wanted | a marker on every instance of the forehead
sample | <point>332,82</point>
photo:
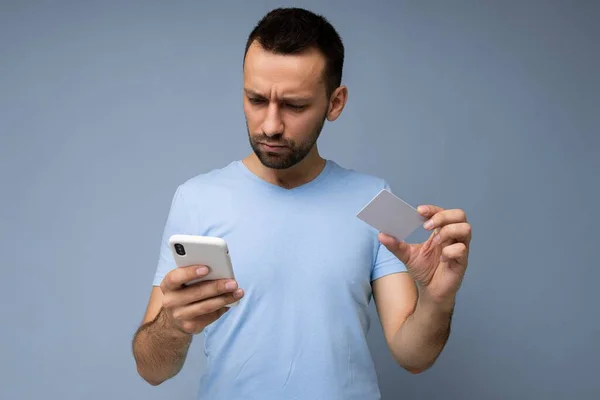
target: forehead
<point>290,73</point>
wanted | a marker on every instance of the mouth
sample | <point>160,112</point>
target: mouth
<point>272,147</point>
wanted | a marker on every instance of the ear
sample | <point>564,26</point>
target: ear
<point>337,102</point>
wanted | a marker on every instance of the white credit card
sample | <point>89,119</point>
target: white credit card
<point>391,215</point>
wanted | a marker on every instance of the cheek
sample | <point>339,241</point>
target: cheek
<point>253,118</point>
<point>301,125</point>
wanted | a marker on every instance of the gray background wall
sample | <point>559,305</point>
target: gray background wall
<point>488,106</point>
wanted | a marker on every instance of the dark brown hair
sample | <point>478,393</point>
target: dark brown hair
<point>293,30</point>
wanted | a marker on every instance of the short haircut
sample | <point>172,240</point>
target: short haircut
<point>293,30</point>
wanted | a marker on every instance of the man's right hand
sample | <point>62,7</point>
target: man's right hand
<point>191,308</point>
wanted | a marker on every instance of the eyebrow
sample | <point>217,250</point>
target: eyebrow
<point>253,93</point>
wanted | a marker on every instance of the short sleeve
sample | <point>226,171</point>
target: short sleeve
<point>385,261</point>
<point>178,222</point>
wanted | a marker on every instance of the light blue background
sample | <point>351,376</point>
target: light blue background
<point>489,106</point>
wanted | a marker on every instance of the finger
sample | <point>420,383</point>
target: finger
<point>213,316</point>
<point>207,306</point>
<point>445,217</point>
<point>179,276</point>
<point>457,252</point>
<point>428,210</point>
<point>388,240</point>
<point>400,249</point>
<point>198,292</point>
<point>196,325</point>
<point>454,233</point>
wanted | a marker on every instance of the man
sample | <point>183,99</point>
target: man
<point>305,266</point>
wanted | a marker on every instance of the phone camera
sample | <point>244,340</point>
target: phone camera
<point>179,249</point>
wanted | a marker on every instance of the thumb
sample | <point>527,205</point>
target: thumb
<point>400,249</point>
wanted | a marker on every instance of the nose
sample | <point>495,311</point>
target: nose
<point>273,124</point>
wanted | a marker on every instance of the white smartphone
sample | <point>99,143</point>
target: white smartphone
<point>203,250</point>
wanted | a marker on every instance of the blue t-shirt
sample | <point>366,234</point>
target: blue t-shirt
<point>305,262</point>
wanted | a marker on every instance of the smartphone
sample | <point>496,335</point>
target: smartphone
<point>203,250</point>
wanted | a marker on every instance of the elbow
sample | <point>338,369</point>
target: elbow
<point>415,363</point>
<point>153,383</point>
<point>415,369</point>
<point>152,380</point>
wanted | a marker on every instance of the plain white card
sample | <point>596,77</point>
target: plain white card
<point>391,215</point>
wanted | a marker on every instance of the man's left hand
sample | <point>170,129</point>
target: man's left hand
<point>438,264</point>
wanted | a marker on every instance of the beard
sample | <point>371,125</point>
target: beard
<point>293,152</point>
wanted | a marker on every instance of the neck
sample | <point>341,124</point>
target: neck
<point>303,172</point>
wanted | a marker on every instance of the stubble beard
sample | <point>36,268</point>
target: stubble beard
<point>293,154</point>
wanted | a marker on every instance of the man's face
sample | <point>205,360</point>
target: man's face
<point>285,104</point>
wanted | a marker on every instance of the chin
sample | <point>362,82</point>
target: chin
<point>280,161</point>
<point>275,162</point>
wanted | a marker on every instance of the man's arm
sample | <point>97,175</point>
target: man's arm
<point>416,330</point>
<point>176,311</point>
<point>159,348</point>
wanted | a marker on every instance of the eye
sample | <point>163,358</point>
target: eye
<point>256,101</point>
<point>296,107</point>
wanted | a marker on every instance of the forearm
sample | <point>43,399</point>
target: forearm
<point>423,335</point>
<point>160,349</point>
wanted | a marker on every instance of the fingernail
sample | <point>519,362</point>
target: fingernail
<point>238,293</point>
<point>202,271</point>
<point>421,209</point>
<point>230,285</point>
<point>428,225</point>
<point>436,239</point>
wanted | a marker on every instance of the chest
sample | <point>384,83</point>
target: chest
<point>296,248</point>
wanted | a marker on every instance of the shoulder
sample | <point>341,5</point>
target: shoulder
<point>357,181</point>
<point>203,183</point>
